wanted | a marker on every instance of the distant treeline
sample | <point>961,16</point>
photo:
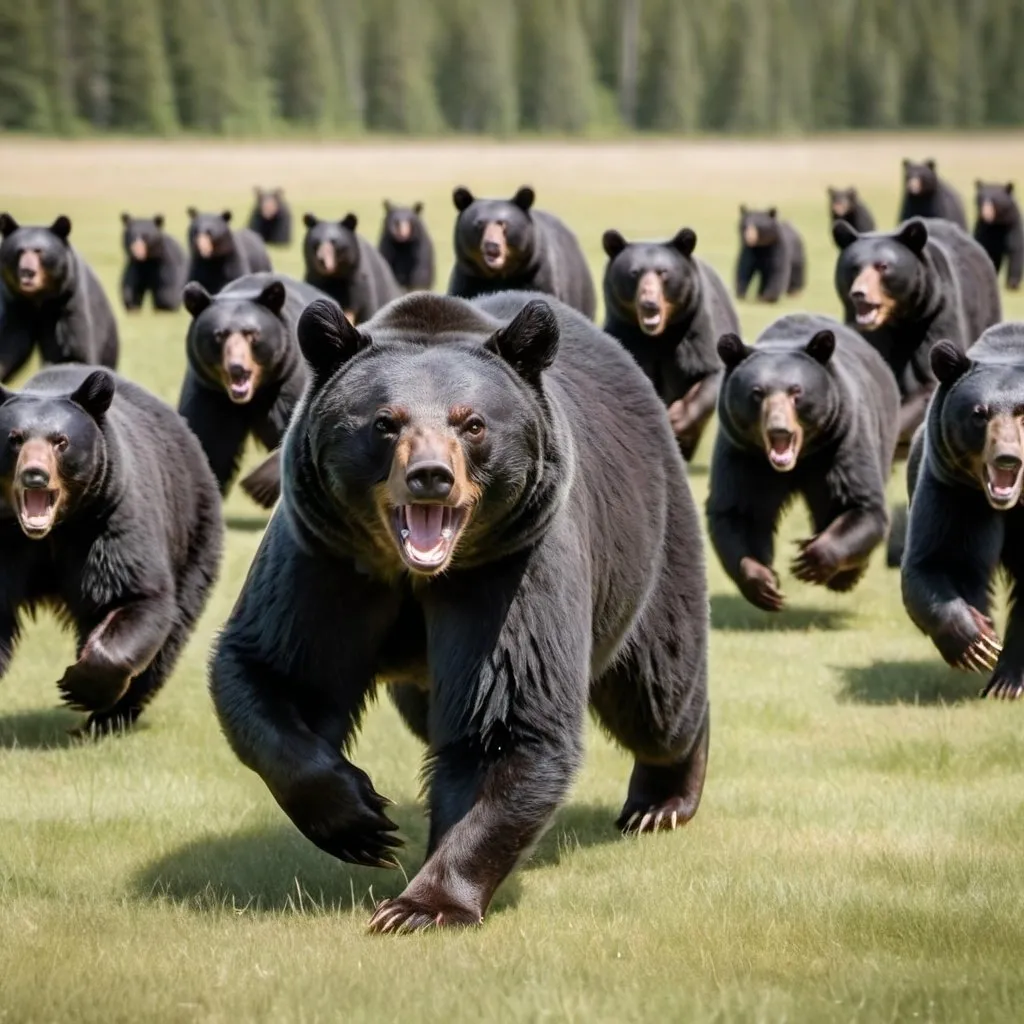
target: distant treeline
<point>259,67</point>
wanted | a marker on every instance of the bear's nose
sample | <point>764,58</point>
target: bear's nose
<point>858,295</point>
<point>35,478</point>
<point>491,248</point>
<point>238,373</point>
<point>430,480</point>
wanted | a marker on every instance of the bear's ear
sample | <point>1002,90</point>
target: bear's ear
<point>832,192</point>
<point>772,212</point>
<point>192,213</point>
<point>524,198</point>
<point>350,221</point>
<point>743,209</point>
<point>8,225</point>
<point>978,184</point>
<point>685,241</point>
<point>158,221</point>
<point>844,234</point>
<point>61,227</point>
<point>462,198</point>
<point>1009,188</point>
<point>930,164</point>
<point>851,193</point>
<point>226,216</point>
<point>196,298</point>
<point>529,343</point>
<point>126,219</point>
<point>95,394</point>
<point>387,206</point>
<point>310,220</point>
<point>732,351</point>
<point>821,346</point>
<point>914,235</point>
<point>613,243</point>
<point>949,363</point>
<point>417,207</point>
<point>327,339</point>
<point>279,192</point>
<point>906,164</point>
<point>272,297</point>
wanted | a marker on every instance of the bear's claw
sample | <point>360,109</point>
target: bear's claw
<point>663,817</point>
<point>402,914</point>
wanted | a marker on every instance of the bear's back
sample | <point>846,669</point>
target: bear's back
<point>968,273</point>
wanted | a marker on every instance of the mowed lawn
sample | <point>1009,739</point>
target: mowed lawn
<point>857,855</point>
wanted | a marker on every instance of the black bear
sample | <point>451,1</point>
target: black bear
<point>406,246</point>
<point>344,265</point>
<point>245,373</point>
<point>462,480</point>
<point>503,244</point>
<point>904,290</point>
<point>846,204</point>
<point>669,308</point>
<point>965,518</point>
<point>50,298</point>
<point>109,514</point>
<point>773,249</point>
<point>809,410</point>
<point>156,265</point>
<point>925,194</point>
<point>220,255</point>
<point>271,217</point>
<point>998,229</point>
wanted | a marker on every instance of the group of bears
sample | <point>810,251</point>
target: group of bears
<point>483,495</point>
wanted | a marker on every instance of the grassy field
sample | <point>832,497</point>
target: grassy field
<point>856,856</point>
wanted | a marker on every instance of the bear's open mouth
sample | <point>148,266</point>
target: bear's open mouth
<point>868,313</point>
<point>37,510</point>
<point>782,449</point>
<point>426,534</point>
<point>650,320</point>
<point>1003,485</point>
<point>240,386</point>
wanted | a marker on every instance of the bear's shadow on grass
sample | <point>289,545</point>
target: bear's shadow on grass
<point>246,524</point>
<point>43,729</point>
<point>275,869</point>
<point>733,612</point>
<point>907,682</point>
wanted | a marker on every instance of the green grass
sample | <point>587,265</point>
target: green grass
<point>857,853</point>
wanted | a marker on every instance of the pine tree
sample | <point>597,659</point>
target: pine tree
<point>300,62</point>
<point>141,97</point>
<point>671,91</point>
<point>24,102</point>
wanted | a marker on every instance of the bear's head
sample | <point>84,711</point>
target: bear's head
<point>651,284</point>
<point>237,341</point>
<point>495,235</point>
<point>759,228</point>
<point>880,275</point>
<point>842,202</point>
<point>143,239</point>
<point>331,247</point>
<point>402,223</point>
<point>777,399</point>
<point>53,456</point>
<point>36,262</point>
<point>920,179</point>
<point>209,234</point>
<point>995,202</point>
<point>976,427</point>
<point>424,434</point>
<point>268,201</point>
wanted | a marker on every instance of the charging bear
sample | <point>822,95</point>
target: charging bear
<point>999,231</point>
<point>773,250</point>
<point>927,195</point>
<point>220,255</point>
<point>846,204</point>
<point>406,246</point>
<point>156,265</point>
<point>271,217</point>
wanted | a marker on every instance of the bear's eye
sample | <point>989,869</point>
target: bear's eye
<point>757,393</point>
<point>61,442</point>
<point>385,424</point>
<point>882,267</point>
<point>980,413</point>
<point>663,274</point>
<point>635,272</point>
<point>15,439</point>
<point>474,427</point>
<point>220,337</point>
<point>795,391</point>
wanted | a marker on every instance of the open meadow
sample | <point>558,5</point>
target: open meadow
<point>856,857</point>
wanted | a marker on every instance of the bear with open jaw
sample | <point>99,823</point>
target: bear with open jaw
<point>809,410</point>
<point>110,515</point>
<point>965,522</point>
<point>456,475</point>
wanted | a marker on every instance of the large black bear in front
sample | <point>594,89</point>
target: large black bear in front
<point>904,290</point>
<point>669,308</point>
<point>966,519</point>
<point>271,217</point>
<point>483,505</point>
<point>344,265</point>
<point>773,250</point>
<point>51,299</point>
<point>245,373</point>
<point>406,246</point>
<point>999,231</point>
<point>156,265</point>
<point>110,515</point>
<point>220,255</point>
<point>925,194</point>
<point>503,244</point>
<point>810,410</point>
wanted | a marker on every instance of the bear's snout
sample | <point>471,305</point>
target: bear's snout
<point>494,245</point>
<point>988,211</point>
<point>401,229</point>
<point>34,477</point>
<point>31,276</point>
<point>138,248</point>
<point>429,479</point>
<point>204,245</point>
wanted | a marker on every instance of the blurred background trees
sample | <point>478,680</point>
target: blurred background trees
<point>261,67</point>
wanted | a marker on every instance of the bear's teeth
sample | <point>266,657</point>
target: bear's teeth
<point>405,534</point>
<point>447,533</point>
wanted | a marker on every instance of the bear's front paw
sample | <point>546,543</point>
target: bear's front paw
<point>90,686</point>
<point>760,586</point>
<point>816,562</point>
<point>969,642</point>
<point>1004,685</point>
<point>414,914</point>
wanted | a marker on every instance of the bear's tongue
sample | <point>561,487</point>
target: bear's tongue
<point>36,503</point>
<point>425,523</point>
<point>1002,481</point>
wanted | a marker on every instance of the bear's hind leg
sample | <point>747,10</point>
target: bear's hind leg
<point>1007,681</point>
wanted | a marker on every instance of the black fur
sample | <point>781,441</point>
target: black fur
<point>843,397</point>
<point>277,228</point>
<point>543,255</point>
<point>136,544</point>
<point>776,255</point>
<point>407,247</point>
<point>234,253</point>
<point>846,204</point>
<point>998,229</point>
<point>936,197</point>
<point>159,271</point>
<point>579,579</point>
<point>678,353</point>
<point>70,321</point>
